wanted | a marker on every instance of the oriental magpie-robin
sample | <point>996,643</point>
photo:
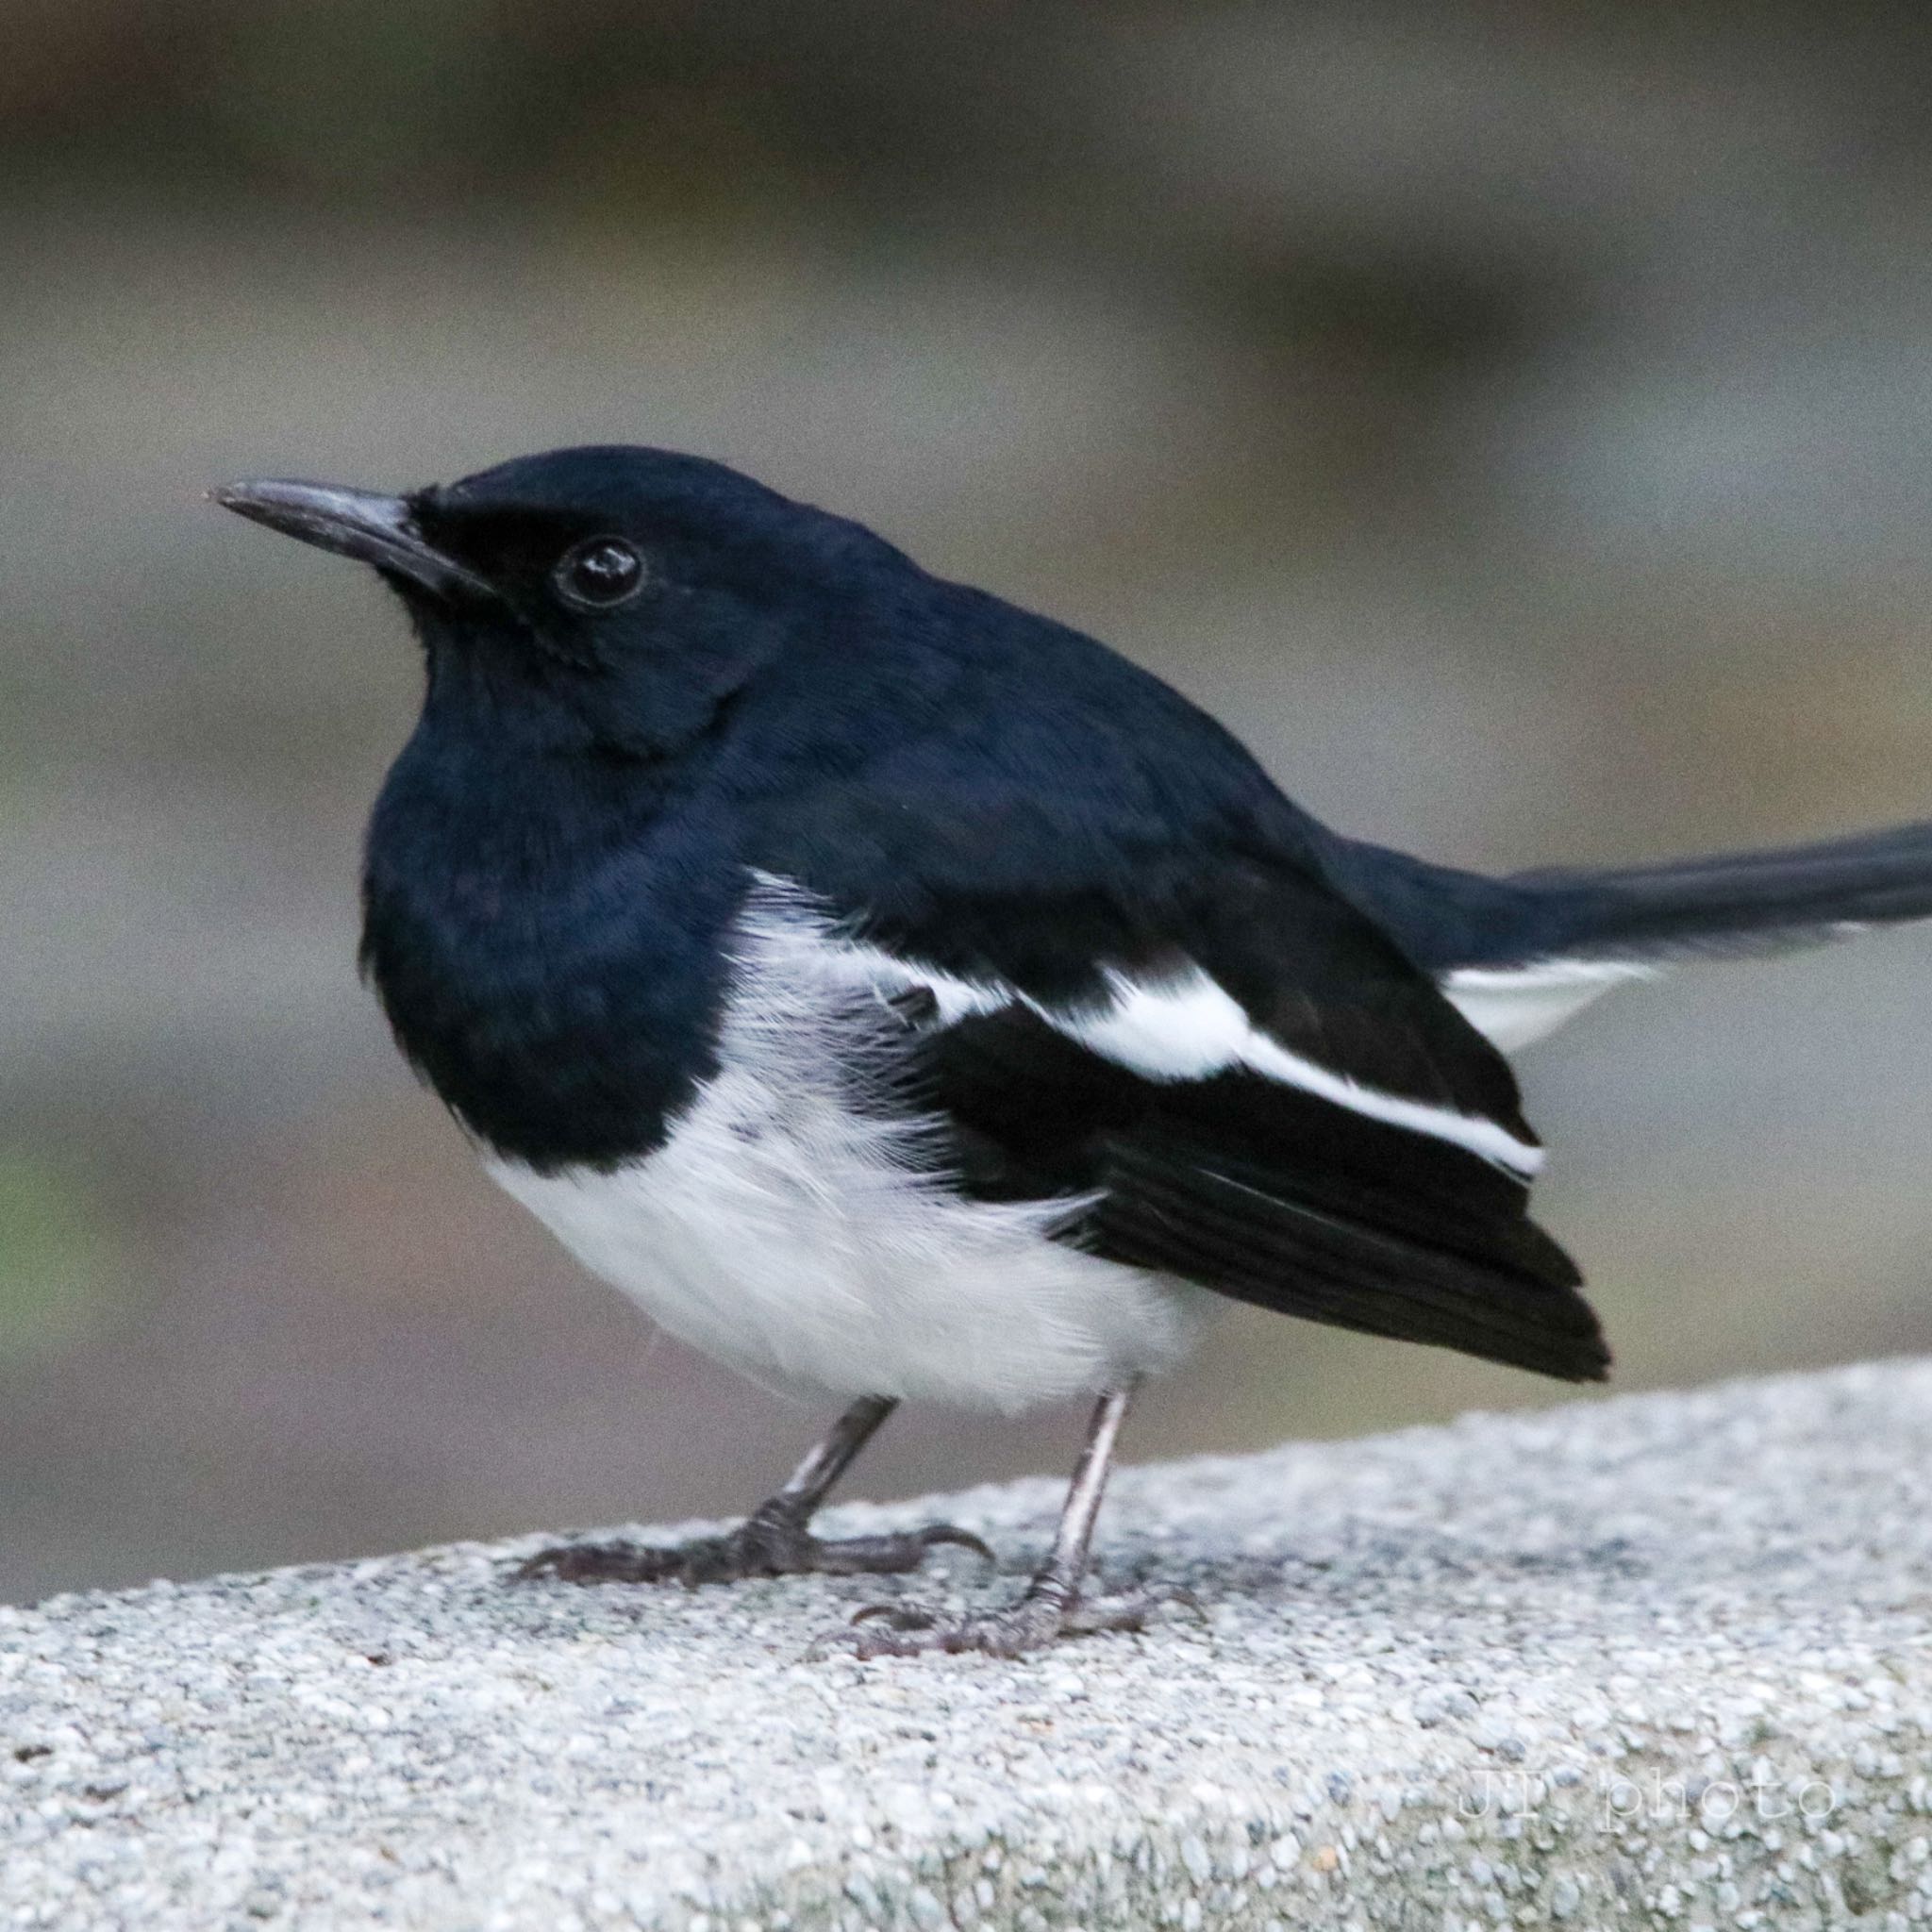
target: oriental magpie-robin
<point>900,994</point>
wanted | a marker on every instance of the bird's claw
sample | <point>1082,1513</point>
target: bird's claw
<point>1038,1618</point>
<point>935,1533</point>
<point>764,1544</point>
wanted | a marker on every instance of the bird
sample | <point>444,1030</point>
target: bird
<point>902,996</point>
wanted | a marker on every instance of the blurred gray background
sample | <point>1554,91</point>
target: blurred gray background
<point>1516,421</point>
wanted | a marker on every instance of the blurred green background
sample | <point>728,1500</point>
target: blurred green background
<point>1516,420</point>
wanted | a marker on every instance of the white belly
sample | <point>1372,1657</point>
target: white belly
<point>808,1243</point>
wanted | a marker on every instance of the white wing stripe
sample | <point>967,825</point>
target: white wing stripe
<point>1185,1028</point>
<point>1188,1027</point>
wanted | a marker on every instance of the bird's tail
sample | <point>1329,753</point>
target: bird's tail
<point>1520,954</point>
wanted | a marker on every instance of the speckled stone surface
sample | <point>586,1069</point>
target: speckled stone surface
<point>1664,1660</point>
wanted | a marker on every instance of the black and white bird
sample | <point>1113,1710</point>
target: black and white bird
<point>900,994</point>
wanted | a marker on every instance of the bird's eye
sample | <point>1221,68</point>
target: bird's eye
<point>599,574</point>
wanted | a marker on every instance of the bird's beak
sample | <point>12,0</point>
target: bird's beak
<point>353,523</point>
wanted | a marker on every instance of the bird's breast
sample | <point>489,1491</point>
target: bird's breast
<point>554,972</point>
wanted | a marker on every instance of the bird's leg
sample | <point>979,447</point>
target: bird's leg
<point>775,1540</point>
<point>1051,1606</point>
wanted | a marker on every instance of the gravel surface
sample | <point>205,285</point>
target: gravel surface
<point>1657,1661</point>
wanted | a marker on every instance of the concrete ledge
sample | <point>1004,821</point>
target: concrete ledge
<point>1662,1660</point>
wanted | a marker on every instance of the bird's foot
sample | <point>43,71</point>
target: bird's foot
<point>769,1542</point>
<point>1040,1618</point>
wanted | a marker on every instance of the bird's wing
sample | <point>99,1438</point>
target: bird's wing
<point>1258,1093</point>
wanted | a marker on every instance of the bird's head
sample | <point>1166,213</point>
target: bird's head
<point>618,595</point>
